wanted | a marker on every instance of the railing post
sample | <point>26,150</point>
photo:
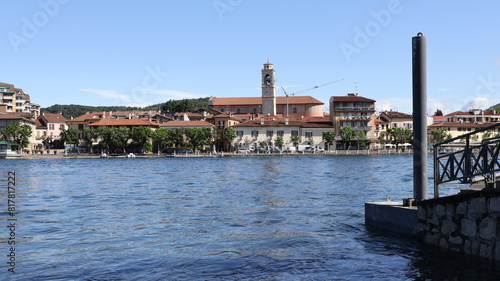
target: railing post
<point>468,172</point>
<point>436,173</point>
<point>486,170</point>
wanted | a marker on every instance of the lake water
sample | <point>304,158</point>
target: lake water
<point>233,218</point>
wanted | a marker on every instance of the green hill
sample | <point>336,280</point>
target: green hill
<point>171,106</point>
<point>495,107</point>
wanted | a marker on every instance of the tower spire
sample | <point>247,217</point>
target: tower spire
<point>268,89</point>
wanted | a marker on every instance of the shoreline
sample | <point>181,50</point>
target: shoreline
<point>210,155</point>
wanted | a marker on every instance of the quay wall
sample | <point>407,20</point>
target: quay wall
<point>61,154</point>
<point>467,223</point>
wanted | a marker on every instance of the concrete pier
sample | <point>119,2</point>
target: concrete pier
<point>391,216</point>
<point>402,217</point>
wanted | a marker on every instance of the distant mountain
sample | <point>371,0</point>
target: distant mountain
<point>171,106</point>
<point>495,107</point>
<point>75,110</point>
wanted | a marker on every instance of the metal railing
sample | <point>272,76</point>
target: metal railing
<point>366,128</point>
<point>355,117</point>
<point>465,163</point>
<point>354,108</point>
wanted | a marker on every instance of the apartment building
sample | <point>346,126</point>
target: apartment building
<point>14,99</point>
<point>355,111</point>
<point>309,131</point>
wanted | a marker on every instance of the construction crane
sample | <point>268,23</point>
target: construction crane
<point>306,90</point>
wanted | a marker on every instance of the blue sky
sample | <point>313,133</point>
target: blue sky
<point>145,52</point>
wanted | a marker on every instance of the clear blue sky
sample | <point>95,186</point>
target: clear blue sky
<point>139,53</point>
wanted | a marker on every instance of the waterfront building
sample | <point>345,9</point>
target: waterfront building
<point>14,99</point>
<point>309,130</point>
<point>437,119</point>
<point>392,119</point>
<point>35,110</point>
<point>455,129</point>
<point>459,122</point>
<point>84,121</point>
<point>355,111</point>
<point>176,124</point>
<point>189,116</point>
<point>123,123</point>
<point>476,116</point>
<point>48,129</point>
<point>21,118</point>
<point>268,103</point>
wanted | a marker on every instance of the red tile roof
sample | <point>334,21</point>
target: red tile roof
<point>458,124</point>
<point>470,113</point>
<point>396,114</point>
<point>189,114</point>
<point>38,124</point>
<point>439,118</point>
<point>15,116</point>
<point>273,121</point>
<point>350,97</point>
<point>86,116</point>
<point>180,124</point>
<point>124,122</point>
<point>53,117</point>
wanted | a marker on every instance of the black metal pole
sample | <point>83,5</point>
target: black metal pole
<point>419,67</point>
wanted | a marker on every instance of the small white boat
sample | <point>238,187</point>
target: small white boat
<point>104,155</point>
<point>131,155</point>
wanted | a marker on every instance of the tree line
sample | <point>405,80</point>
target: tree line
<point>141,138</point>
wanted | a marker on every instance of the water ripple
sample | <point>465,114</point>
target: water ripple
<point>251,218</point>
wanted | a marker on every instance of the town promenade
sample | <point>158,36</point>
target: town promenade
<point>60,154</point>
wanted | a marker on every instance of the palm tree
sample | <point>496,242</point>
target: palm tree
<point>295,140</point>
<point>279,142</point>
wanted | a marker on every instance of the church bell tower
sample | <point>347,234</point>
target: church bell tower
<point>268,90</point>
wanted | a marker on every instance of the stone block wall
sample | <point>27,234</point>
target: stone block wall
<point>467,223</point>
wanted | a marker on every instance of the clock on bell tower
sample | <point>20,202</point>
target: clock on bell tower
<point>268,90</point>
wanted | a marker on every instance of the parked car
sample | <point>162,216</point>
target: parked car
<point>275,150</point>
<point>309,150</point>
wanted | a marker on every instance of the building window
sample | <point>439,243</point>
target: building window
<point>221,124</point>
<point>309,135</point>
<point>222,110</point>
<point>269,134</point>
<point>238,111</point>
<point>239,134</point>
<point>255,134</point>
<point>80,127</point>
<point>61,127</point>
<point>51,126</point>
<point>295,133</point>
<point>294,110</point>
<point>254,110</point>
<point>280,133</point>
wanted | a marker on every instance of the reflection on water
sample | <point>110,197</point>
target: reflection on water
<point>271,218</point>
